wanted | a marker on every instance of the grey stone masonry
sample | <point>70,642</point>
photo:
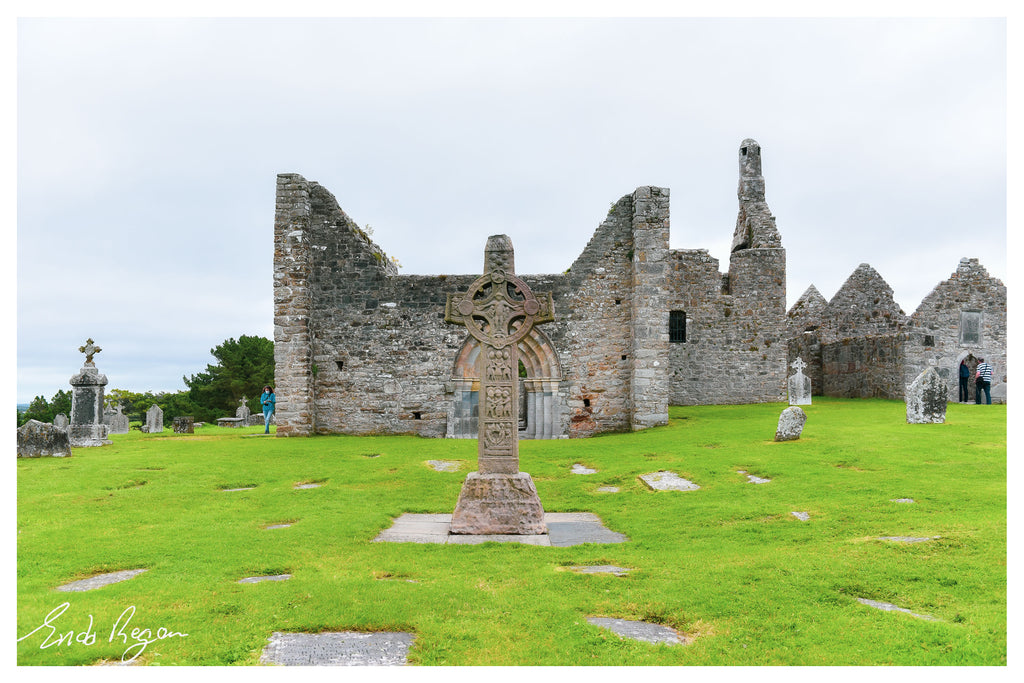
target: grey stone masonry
<point>864,346</point>
<point>39,439</point>
<point>183,425</point>
<point>926,398</point>
<point>60,421</point>
<point>154,419</point>
<point>649,368</point>
<point>86,427</point>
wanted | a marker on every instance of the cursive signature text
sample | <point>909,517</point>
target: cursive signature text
<point>137,639</point>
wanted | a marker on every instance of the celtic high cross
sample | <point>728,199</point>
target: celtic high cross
<point>499,310</point>
<point>90,350</point>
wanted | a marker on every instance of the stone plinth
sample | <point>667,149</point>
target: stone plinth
<point>183,425</point>
<point>39,439</point>
<point>926,398</point>
<point>498,504</point>
<point>86,427</point>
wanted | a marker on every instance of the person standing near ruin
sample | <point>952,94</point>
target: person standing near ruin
<point>965,378</point>
<point>268,401</point>
<point>984,382</point>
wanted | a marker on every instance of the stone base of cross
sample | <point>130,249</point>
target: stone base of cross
<point>498,310</point>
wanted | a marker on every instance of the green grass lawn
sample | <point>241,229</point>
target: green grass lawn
<point>728,565</point>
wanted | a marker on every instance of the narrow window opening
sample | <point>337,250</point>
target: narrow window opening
<point>340,364</point>
<point>417,415</point>
<point>929,340</point>
<point>586,403</point>
<point>677,326</point>
<point>624,357</point>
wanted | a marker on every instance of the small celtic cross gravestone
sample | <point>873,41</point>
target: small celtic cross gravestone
<point>799,385</point>
<point>498,310</point>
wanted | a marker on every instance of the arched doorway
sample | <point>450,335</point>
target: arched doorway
<point>972,361</point>
<point>538,390</point>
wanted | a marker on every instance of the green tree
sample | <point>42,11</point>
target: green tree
<point>39,409</point>
<point>61,403</point>
<point>243,367</point>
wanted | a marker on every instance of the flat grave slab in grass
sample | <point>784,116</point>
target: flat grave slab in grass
<point>640,630</point>
<point>564,529</point>
<point>100,580</point>
<point>343,648</point>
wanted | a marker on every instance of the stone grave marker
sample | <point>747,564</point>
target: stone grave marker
<point>60,421</point>
<point>640,630</point>
<point>799,385</point>
<point>926,398</point>
<point>343,648</point>
<point>600,569</point>
<point>753,479</point>
<point>243,411</point>
<point>668,481</point>
<point>802,516</point>
<point>582,469</point>
<point>154,419</point>
<point>258,579</point>
<point>39,439</point>
<point>901,500</point>
<point>183,425</point>
<point>116,420</point>
<point>608,489</point>
<point>86,426</point>
<point>498,310</point>
<point>443,465</point>
<point>100,580</point>
<point>791,424</point>
<point>889,607</point>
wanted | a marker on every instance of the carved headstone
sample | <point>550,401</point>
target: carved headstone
<point>39,439</point>
<point>60,421</point>
<point>498,310</point>
<point>116,421</point>
<point>183,425</point>
<point>243,411</point>
<point>926,398</point>
<point>791,424</point>
<point>799,385</point>
<point>154,419</point>
<point>86,427</point>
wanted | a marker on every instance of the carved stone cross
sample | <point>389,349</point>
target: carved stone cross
<point>89,350</point>
<point>499,309</point>
<point>798,365</point>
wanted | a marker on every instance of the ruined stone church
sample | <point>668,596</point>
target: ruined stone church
<point>360,349</point>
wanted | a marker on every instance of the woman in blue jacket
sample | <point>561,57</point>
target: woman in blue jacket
<point>267,400</point>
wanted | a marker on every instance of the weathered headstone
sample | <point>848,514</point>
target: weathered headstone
<point>799,385</point>
<point>116,420</point>
<point>183,425</point>
<point>243,410</point>
<point>154,419</point>
<point>791,424</point>
<point>498,310</point>
<point>926,398</point>
<point>60,421</point>
<point>86,427</point>
<point>40,439</point>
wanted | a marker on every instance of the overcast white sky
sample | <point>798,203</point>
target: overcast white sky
<point>148,150</point>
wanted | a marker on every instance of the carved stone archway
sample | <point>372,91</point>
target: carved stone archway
<point>539,389</point>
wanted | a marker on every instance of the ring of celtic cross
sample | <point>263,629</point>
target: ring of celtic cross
<point>498,309</point>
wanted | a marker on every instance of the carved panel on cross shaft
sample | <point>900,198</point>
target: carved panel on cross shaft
<point>499,402</point>
<point>497,435</point>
